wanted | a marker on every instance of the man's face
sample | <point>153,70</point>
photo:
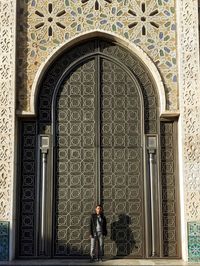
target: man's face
<point>98,210</point>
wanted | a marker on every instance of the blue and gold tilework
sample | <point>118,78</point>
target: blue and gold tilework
<point>4,240</point>
<point>44,25</point>
<point>194,241</point>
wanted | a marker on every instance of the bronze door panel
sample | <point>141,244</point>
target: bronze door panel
<point>121,162</point>
<point>76,161</point>
<point>99,159</point>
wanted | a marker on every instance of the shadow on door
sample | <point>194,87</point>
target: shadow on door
<point>122,235</point>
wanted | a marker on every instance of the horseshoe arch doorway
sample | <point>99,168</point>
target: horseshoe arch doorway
<point>97,138</point>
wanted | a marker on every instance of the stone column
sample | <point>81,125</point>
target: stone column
<point>7,123</point>
<point>189,123</point>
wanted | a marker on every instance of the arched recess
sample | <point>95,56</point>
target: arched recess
<point>38,168</point>
<point>138,53</point>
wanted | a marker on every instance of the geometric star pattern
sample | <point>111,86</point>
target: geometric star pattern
<point>194,241</point>
<point>45,25</point>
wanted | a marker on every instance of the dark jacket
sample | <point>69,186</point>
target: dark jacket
<point>93,224</point>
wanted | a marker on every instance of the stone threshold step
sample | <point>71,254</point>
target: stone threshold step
<point>115,262</point>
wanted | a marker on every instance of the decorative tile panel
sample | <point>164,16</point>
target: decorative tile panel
<point>44,25</point>
<point>194,241</point>
<point>4,240</point>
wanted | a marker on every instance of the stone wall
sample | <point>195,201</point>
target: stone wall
<point>189,87</point>
<point>7,118</point>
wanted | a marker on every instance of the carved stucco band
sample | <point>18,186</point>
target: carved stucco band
<point>142,56</point>
<point>7,105</point>
<point>189,80</point>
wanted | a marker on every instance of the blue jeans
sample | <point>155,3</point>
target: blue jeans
<point>99,239</point>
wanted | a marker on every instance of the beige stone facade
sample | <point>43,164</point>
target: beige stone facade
<point>162,33</point>
<point>150,25</point>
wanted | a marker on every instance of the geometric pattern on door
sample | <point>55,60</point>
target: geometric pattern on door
<point>76,160</point>
<point>121,161</point>
<point>27,240</point>
<point>99,157</point>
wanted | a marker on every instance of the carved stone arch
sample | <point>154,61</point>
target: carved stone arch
<point>139,55</point>
<point>55,72</point>
<point>149,120</point>
<point>157,151</point>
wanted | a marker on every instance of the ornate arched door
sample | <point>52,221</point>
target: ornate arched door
<point>99,157</point>
<point>97,138</point>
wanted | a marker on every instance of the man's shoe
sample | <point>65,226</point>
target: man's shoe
<point>91,259</point>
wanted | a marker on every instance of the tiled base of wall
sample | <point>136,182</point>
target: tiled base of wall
<point>194,241</point>
<point>4,240</point>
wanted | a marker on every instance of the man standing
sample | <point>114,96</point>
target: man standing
<point>98,230</point>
